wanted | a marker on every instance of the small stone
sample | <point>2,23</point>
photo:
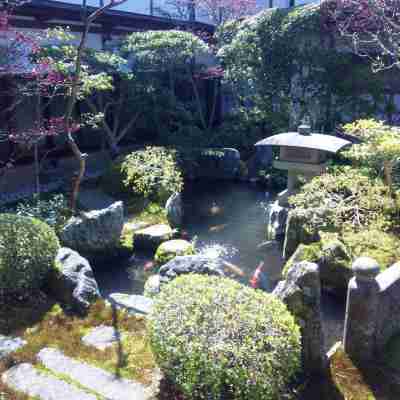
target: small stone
<point>150,238</point>
<point>96,379</point>
<point>133,303</point>
<point>26,379</point>
<point>9,345</point>
<point>101,337</point>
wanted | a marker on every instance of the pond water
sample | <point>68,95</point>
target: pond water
<point>227,220</point>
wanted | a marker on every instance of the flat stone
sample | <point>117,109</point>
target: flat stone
<point>101,337</point>
<point>151,237</point>
<point>9,344</point>
<point>133,303</point>
<point>102,382</point>
<point>26,379</point>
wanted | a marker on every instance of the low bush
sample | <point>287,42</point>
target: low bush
<point>27,251</point>
<point>384,247</point>
<point>215,338</point>
<point>352,200</point>
<point>151,173</point>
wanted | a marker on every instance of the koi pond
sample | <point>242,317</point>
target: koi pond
<point>226,220</point>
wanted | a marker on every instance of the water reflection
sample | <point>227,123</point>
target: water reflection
<point>230,221</point>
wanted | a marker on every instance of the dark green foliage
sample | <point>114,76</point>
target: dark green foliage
<point>215,338</point>
<point>351,199</point>
<point>152,173</point>
<point>52,209</point>
<point>27,251</point>
<point>284,64</point>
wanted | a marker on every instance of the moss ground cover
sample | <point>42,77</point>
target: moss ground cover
<point>47,325</point>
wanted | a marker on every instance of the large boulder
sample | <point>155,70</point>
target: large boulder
<point>174,210</point>
<point>95,232</point>
<point>333,260</point>
<point>148,239</point>
<point>192,264</point>
<point>73,283</point>
<point>301,292</point>
<point>172,248</point>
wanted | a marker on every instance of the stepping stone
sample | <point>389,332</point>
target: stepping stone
<point>9,344</point>
<point>26,379</point>
<point>133,303</point>
<point>92,199</point>
<point>101,337</point>
<point>96,379</point>
<point>150,238</point>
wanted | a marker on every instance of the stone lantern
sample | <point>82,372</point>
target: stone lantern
<point>302,154</point>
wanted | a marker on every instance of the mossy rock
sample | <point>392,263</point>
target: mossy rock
<point>333,260</point>
<point>172,248</point>
<point>302,228</point>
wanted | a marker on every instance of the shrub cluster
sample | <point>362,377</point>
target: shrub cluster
<point>352,200</point>
<point>215,338</point>
<point>27,252</point>
<point>152,173</point>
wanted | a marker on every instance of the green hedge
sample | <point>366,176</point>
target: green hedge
<point>27,252</point>
<point>215,338</point>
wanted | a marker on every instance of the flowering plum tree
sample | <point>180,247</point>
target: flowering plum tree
<point>372,25</point>
<point>30,71</point>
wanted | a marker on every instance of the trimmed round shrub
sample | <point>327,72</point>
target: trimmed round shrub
<point>28,248</point>
<point>215,338</point>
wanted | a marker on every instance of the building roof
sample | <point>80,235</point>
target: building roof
<point>44,11</point>
<point>316,141</point>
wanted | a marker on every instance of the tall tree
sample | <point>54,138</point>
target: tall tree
<point>87,18</point>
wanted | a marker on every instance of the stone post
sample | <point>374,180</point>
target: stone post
<point>362,309</point>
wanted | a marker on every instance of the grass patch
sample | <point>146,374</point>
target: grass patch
<point>131,357</point>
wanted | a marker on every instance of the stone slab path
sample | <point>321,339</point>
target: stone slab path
<point>101,337</point>
<point>26,379</point>
<point>93,378</point>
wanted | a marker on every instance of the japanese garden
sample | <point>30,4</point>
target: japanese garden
<point>200,203</point>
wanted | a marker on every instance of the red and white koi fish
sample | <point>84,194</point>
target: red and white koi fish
<point>259,278</point>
